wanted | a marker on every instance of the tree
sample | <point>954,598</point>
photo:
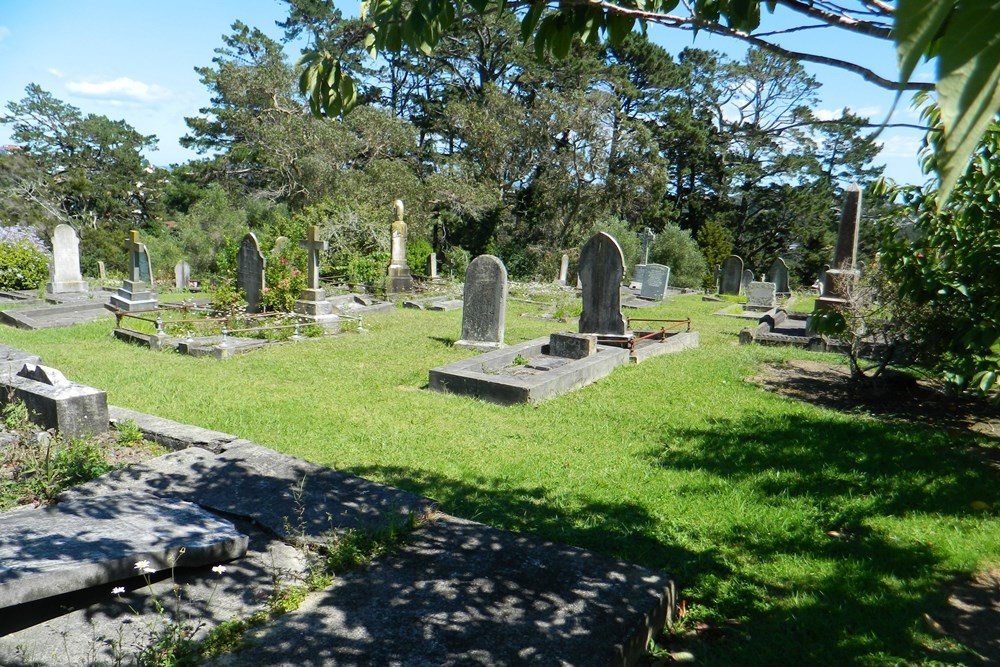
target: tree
<point>959,33</point>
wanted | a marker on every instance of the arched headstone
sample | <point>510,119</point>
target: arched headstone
<point>602,266</point>
<point>250,264</point>
<point>484,309</point>
<point>731,276</point>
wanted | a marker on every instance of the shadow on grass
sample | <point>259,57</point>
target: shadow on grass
<point>841,544</point>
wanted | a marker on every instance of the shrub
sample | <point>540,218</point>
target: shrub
<point>417,252</point>
<point>284,280</point>
<point>456,260</point>
<point>23,262</point>
<point>675,248</point>
<point>366,268</point>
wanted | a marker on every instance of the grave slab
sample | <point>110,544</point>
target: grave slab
<point>51,317</point>
<point>89,541</point>
<point>242,475</point>
<point>73,409</point>
<point>450,304</point>
<point>494,376</point>
<point>12,360</point>
<point>461,593</point>
<point>171,434</point>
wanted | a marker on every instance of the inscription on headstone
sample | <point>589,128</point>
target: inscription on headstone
<point>602,267</point>
<point>250,264</point>
<point>145,266</point>
<point>731,276</point>
<point>655,281</point>
<point>484,304</point>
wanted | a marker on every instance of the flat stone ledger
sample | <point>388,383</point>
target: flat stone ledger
<point>91,541</point>
<point>484,310</point>
<point>74,410</point>
<point>503,377</point>
<point>602,266</point>
<point>762,295</point>
<point>133,296</point>
<point>731,275</point>
<point>655,282</point>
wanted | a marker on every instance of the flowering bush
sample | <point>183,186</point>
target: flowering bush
<point>284,280</point>
<point>23,260</point>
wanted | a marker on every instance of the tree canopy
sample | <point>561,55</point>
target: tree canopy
<point>960,35</point>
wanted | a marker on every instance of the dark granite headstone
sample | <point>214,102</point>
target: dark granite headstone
<point>602,266</point>
<point>732,275</point>
<point>250,264</point>
<point>485,304</point>
<point>655,281</point>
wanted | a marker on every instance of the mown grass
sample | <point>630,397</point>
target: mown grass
<point>798,535</point>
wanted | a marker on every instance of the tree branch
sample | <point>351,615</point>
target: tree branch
<point>843,20</point>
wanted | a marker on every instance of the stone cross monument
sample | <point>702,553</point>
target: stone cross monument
<point>134,294</point>
<point>312,302</point>
<point>646,237</point>
<point>400,279</point>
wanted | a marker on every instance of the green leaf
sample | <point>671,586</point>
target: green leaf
<point>478,5</point>
<point>530,20</point>
<point>917,23</point>
<point>562,40</point>
<point>968,80</point>
<point>619,26</point>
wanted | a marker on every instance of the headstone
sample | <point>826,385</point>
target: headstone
<point>146,267</point>
<point>646,238</point>
<point>54,402</point>
<point>134,294</point>
<point>846,252</point>
<point>638,274</point>
<point>655,281</point>
<point>250,265</point>
<point>822,278</point>
<point>182,275</point>
<point>563,270</point>
<point>860,266</point>
<point>716,276</point>
<point>432,266</point>
<point>602,267</point>
<point>732,275</point>
<point>102,272</point>
<point>484,309</point>
<point>745,280</point>
<point>778,273</point>
<point>399,271</point>
<point>279,245</point>
<point>762,295</point>
<point>312,301</point>
<point>64,268</point>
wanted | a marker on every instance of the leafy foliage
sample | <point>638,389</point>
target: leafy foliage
<point>23,262</point>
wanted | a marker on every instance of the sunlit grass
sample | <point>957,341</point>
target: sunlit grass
<point>809,536</point>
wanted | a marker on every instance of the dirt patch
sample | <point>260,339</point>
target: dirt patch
<point>974,615</point>
<point>895,396</point>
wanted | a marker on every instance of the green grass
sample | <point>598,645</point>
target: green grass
<point>679,464</point>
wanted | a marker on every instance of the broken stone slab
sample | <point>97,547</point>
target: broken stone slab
<point>296,500</point>
<point>50,317</point>
<point>462,593</point>
<point>449,304</point>
<point>54,402</point>
<point>170,434</point>
<point>89,541</point>
<point>12,360</point>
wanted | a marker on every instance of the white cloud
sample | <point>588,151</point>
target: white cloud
<point>873,113</point>
<point>56,73</point>
<point>828,114</point>
<point>898,145</point>
<point>120,90</point>
<point>4,32</point>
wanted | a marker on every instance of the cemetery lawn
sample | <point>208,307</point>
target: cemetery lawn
<point>797,534</point>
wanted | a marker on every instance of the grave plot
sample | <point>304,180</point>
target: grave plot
<point>52,316</point>
<point>531,371</point>
<point>666,337</point>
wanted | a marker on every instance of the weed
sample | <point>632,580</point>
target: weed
<point>129,432</point>
<point>520,361</point>
<point>15,415</point>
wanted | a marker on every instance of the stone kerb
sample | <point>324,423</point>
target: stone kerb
<point>484,309</point>
<point>55,402</point>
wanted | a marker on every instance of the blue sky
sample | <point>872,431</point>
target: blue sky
<point>135,59</point>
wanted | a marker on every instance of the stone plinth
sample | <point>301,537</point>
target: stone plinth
<point>53,401</point>
<point>133,296</point>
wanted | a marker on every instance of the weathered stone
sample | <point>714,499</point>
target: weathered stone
<point>400,279</point>
<point>745,281</point>
<point>64,267</point>
<point>134,294</point>
<point>638,273</point>
<point>54,402</point>
<point>572,345</point>
<point>731,276</point>
<point>432,266</point>
<point>250,266</point>
<point>846,252</point>
<point>484,304</point>
<point>761,295</point>
<point>778,274</point>
<point>563,270</point>
<point>89,541</point>
<point>50,317</point>
<point>12,360</point>
<point>102,272</point>
<point>182,275</point>
<point>602,266</point>
<point>146,267</point>
<point>655,281</point>
<point>646,237</point>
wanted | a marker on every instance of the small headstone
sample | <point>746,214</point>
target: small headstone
<point>432,266</point>
<point>778,274</point>
<point>602,266</point>
<point>822,279</point>
<point>250,265</point>
<point>716,274</point>
<point>572,345</point>
<point>732,275</point>
<point>400,279</point>
<point>563,270</point>
<point>861,266</point>
<point>279,245</point>
<point>182,275</point>
<point>484,304</point>
<point>655,281</point>
<point>761,295</point>
<point>64,268</point>
<point>745,281</point>
<point>102,272</point>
